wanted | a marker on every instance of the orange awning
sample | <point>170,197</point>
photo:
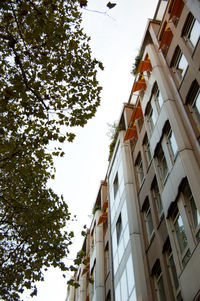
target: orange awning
<point>166,38</point>
<point>130,133</point>
<point>102,218</point>
<point>144,66</point>
<point>177,9</point>
<point>138,85</point>
<point>137,113</point>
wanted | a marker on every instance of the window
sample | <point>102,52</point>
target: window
<point>192,210</point>
<point>157,97</point>
<point>154,107</point>
<point>148,219</point>
<point>151,118</point>
<point>162,163</point>
<point>140,171</point>
<point>147,149</point>
<point>108,297</point>
<point>92,285</point>
<point>125,289</point>
<point>180,235</point>
<point>119,228</point>
<point>159,285</point>
<point>172,143</point>
<point>193,101</point>
<point>130,278</point>
<point>173,273</point>
<point>157,197</point>
<point>115,185</point>
<point>191,30</point>
<point>179,63</point>
<point>92,238</point>
<point>106,259</point>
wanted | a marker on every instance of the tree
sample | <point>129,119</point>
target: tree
<point>48,84</point>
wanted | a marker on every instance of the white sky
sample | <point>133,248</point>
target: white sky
<point>115,40</point>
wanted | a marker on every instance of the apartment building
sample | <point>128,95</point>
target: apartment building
<point>94,276</point>
<point>152,185</point>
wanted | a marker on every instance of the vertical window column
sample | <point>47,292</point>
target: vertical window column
<point>159,285</point>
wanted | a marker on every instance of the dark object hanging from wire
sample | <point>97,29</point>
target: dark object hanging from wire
<point>110,5</point>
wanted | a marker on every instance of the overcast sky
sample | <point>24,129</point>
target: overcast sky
<point>115,40</point>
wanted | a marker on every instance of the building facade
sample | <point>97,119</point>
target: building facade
<point>151,228</point>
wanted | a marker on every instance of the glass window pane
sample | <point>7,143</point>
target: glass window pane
<point>161,289</point>
<point>112,213</point>
<point>151,118</point>
<point>117,200</point>
<point>162,164</point>
<point>119,228</point>
<point>115,185</point>
<point>196,107</point>
<point>124,215</point>
<point>121,250</point>
<point>197,103</point>
<point>116,263</point>
<point>120,172</point>
<point>173,144</point>
<point>133,296</point>
<point>149,223</point>
<point>126,236</point>
<point>147,149</point>
<point>173,271</point>
<point>123,283</point>
<point>121,187</point>
<point>194,33</point>
<point>195,213</point>
<point>159,99</point>
<point>180,233</point>
<point>160,285</point>
<point>182,65</point>
<point>117,293</point>
<point>140,169</point>
<point>130,273</point>
<point>157,198</point>
<point>114,242</point>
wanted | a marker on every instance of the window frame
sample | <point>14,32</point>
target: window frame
<point>151,119</point>
<point>191,100</point>
<point>171,140</point>
<point>175,64</point>
<point>140,169</point>
<point>173,273</point>
<point>188,28</point>
<point>185,252</point>
<point>158,95</point>
<point>162,164</point>
<point>147,149</point>
<point>119,229</point>
<point>147,212</point>
<point>157,197</point>
<point>115,185</point>
<point>190,205</point>
<point>158,279</point>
